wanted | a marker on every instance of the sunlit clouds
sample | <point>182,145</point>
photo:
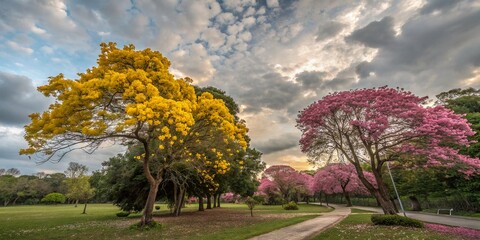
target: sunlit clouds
<point>273,57</point>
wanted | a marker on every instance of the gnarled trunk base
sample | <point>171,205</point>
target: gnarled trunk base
<point>147,217</point>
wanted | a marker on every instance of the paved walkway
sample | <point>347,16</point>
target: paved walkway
<point>308,228</point>
<point>457,221</point>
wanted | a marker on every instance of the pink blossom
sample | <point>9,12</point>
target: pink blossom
<point>230,197</point>
<point>340,178</point>
<point>467,232</point>
<point>285,181</point>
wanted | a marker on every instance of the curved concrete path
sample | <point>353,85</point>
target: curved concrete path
<point>457,221</point>
<point>308,228</point>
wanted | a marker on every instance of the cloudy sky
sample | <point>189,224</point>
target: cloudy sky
<point>273,57</point>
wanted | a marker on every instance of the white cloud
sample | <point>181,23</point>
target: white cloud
<point>250,11</point>
<point>213,37</point>
<point>238,5</point>
<point>46,49</point>
<point>193,61</point>
<point>234,29</point>
<point>225,18</point>
<point>261,11</point>
<point>38,30</point>
<point>16,47</point>
<point>245,36</point>
<point>248,22</point>
<point>272,3</point>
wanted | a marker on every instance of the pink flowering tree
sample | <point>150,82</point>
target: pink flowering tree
<point>375,126</point>
<point>270,190</point>
<point>304,189</point>
<point>282,181</point>
<point>230,197</point>
<point>341,178</point>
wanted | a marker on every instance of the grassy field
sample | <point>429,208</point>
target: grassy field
<point>359,226</point>
<point>231,221</point>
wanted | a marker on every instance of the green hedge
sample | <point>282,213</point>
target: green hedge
<point>123,214</point>
<point>380,219</point>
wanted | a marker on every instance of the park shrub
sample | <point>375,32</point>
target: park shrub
<point>290,206</point>
<point>54,198</point>
<point>395,220</point>
<point>259,198</point>
<point>123,214</point>
<point>32,201</point>
<point>157,207</point>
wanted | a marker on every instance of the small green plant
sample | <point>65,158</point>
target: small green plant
<point>148,226</point>
<point>123,214</point>
<point>251,204</point>
<point>157,207</point>
<point>290,206</point>
<point>380,219</point>
<point>54,198</point>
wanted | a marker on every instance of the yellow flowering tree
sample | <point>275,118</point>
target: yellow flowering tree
<point>206,148</point>
<point>242,164</point>
<point>129,97</point>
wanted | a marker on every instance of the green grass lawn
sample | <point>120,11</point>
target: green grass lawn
<point>231,221</point>
<point>359,226</point>
<point>249,231</point>
<point>264,209</point>
<point>356,210</point>
<point>477,215</point>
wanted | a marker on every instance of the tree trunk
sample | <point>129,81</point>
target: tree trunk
<point>147,217</point>
<point>394,205</point>
<point>385,203</point>
<point>380,192</point>
<point>214,200</point>
<point>209,201</point>
<point>85,207</point>
<point>347,197</point>
<point>175,196</point>
<point>326,199</point>
<point>76,202</point>
<point>415,203</point>
<point>218,200</point>
<point>200,204</point>
<point>180,198</point>
<point>15,201</point>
